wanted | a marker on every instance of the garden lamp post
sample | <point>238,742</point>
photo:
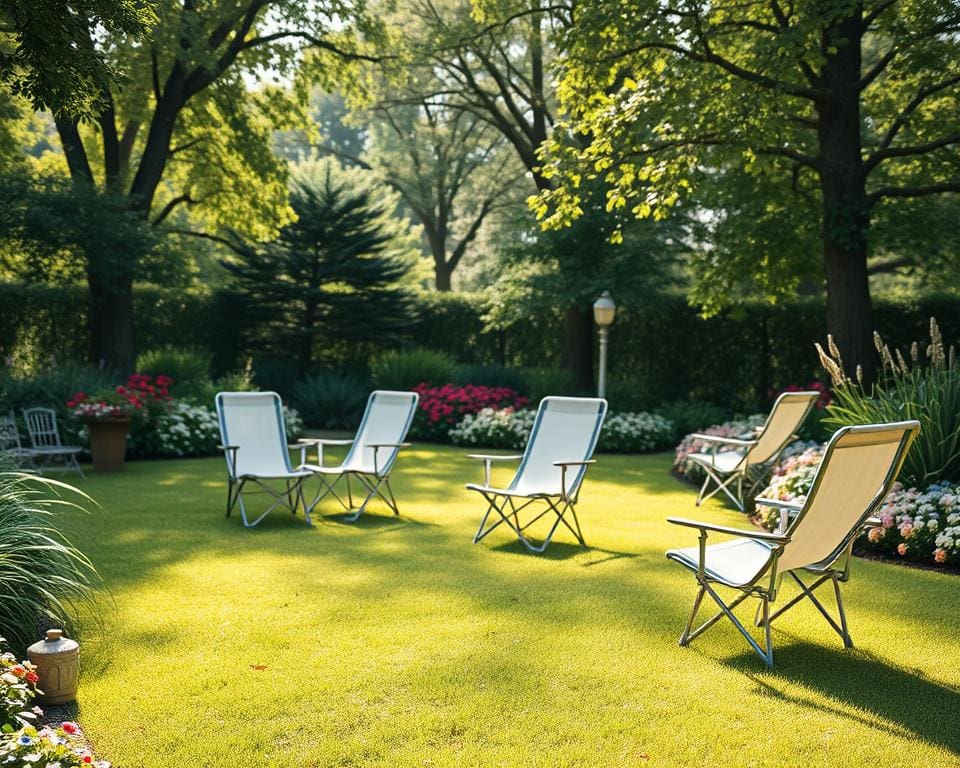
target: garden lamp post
<point>604,310</point>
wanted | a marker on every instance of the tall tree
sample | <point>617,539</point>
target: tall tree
<point>854,101</point>
<point>335,274</point>
<point>186,131</point>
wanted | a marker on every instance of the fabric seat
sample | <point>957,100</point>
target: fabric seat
<point>733,563</point>
<point>724,461</point>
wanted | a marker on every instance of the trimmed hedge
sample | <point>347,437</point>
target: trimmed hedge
<point>659,353</point>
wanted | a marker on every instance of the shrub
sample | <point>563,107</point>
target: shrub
<point>626,395</point>
<point>43,578</point>
<point>510,428</point>
<point>735,428</point>
<point>442,408</point>
<point>331,400</point>
<point>18,688</point>
<point>690,415</point>
<point>183,430</point>
<point>494,428</point>
<point>635,433</point>
<point>275,375</point>
<point>404,369</point>
<point>492,376</point>
<point>63,747</point>
<point>188,368</point>
<point>543,382</point>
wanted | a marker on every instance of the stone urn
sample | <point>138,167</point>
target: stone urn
<point>108,443</point>
<point>57,660</point>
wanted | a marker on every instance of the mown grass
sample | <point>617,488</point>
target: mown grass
<point>396,642</point>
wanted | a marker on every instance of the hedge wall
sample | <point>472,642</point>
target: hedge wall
<point>665,351</point>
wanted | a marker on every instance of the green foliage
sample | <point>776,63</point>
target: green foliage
<point>404,369</point>
<point>44,579</point>
<point>331,400</point>
<point>926,391</point>
<point>334,275</point>
<point>688,416</point>
<point>50,57</point>
<point>542,382</point>
<point>189,369</point>
<point>491,376</point>
<point>275,374</point>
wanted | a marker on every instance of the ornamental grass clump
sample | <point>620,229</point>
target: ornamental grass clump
<point>43,578</point>
<point>925,388</point>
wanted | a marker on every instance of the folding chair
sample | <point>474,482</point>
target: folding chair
<point>254,443</point>
<point>551,471</point>
<point>858,468</point>
<point>48,450</point>
<point>373,452</point>
<point>748,460</point>
<point>10,444</point>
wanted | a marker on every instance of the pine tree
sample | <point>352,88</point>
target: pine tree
<point>333,276</point>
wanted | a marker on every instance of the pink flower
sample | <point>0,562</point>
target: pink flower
<point>906,530</point>
<point>902,549</point>
<point>940,555</point>
<point>875,534</point>
<point>887,520</point>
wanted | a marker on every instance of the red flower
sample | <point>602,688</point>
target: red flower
<point>69,727</point>
<point>32,677</point>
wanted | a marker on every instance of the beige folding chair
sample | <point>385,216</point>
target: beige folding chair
<point>858,468</point>
<point>745,462</point>
<point>48,450</point>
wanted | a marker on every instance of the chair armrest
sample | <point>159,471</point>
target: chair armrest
<point>796,505</point>
<point>487,458</point>
<point>574,463</point>
<point>873,522</point>
<point>322,441</point>
<point>723,440</point>
<point>387,445</point>
<point>228,447</point>
<point>492,457</point>
<point>704,527</point>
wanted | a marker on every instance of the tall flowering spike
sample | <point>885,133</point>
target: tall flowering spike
<point>859,374</point>
<point>915,352</point>
<point>878,343</point>
<point>952,357</point>
<point>935,350</point>
<point>835,352</point>
<point>831,367</point>
<point>904,368</point>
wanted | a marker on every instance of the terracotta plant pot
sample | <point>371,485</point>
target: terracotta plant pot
<point>108,443</point>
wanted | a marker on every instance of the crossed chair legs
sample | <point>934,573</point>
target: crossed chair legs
<point>290,497</point>
<point>374,485</point>
<point>764,618</point>
<point>508,512</point>
<point>748,478</point>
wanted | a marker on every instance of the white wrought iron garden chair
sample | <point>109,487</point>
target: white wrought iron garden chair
<point>48,450</point>
<point>10,443</point>
<point>858,468</point>
<point>254,443</point>
<point>552,467</point>
<point>744,462</point>
<point>373,452</point>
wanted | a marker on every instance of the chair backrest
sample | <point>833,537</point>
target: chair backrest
<point>565,429</point>
<point>858,468</point>
<point>9,433</point>
<point>786,417</point>
<point>386,420</point>
<point>253,421</point>
<point>42,427</point>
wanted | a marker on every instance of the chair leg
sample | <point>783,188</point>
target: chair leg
<point>807,591</point>
<point>685,637</point>
<point>765,652</point>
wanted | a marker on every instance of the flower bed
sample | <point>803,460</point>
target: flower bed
<point>443,408</point>
<point>510,428</point>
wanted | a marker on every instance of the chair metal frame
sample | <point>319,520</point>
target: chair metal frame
<point>746,473</point>
<point>12,446</point>
<point>290,496</point>
<point>765,585</point>
<point>376,483</point>
<point>45,441</point>
<point>507,503</point>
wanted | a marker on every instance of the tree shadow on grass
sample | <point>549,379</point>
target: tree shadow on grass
<point>904,701</point>
<point>371,521</point>
<point>561,550</point>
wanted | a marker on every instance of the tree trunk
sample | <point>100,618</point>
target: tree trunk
<point>846,217</point>
<point>442,276</point>
<point>111,321</point>
<point>579,347</point>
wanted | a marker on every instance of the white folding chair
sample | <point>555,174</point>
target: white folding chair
<point>858,468</point>
<point>551,471</point>
<point>373,452</point>
<point>745,462</point>
<point>254,443</point>
<point>48,450</point>
<point>10,443</point>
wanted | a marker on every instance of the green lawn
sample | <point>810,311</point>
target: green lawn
<point>397,642</point>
